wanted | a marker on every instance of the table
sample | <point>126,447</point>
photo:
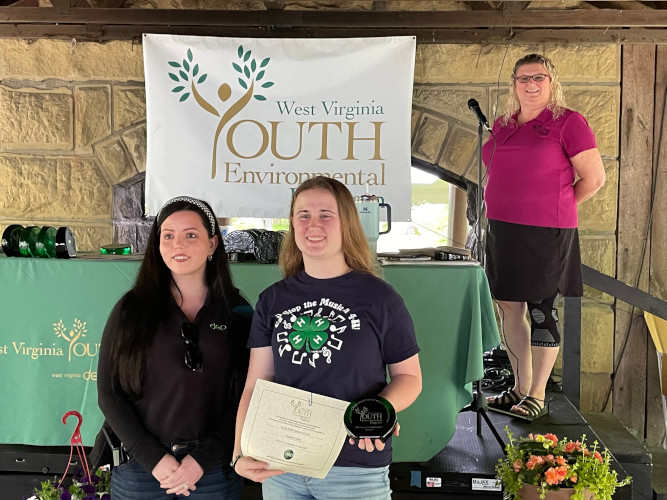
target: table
<point>53,312</point>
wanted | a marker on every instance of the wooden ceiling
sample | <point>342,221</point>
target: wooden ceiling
<point>431,21</point>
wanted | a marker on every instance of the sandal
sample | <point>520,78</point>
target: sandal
<point>531,406</point>
<point>504,401</point>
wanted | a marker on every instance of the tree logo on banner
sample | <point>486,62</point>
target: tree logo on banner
<point>187,74</point>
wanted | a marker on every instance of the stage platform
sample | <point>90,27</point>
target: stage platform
<point>465,468</point>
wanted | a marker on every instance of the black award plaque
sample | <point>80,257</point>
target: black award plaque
<point>372,418</point>
<point>65,244</point>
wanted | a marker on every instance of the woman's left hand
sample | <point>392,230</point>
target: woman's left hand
<point>183,479</point>
<point>370,445</point>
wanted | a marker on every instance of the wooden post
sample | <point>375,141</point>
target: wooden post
<point>655,419</point>
<point>635,173</point>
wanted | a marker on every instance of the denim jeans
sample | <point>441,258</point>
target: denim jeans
<point>130,481</point>
<point>341,483</point>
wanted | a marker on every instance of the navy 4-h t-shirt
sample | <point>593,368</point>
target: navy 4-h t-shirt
<point>335,337</point>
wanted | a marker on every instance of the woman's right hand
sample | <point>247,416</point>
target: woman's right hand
<point>255,470</point>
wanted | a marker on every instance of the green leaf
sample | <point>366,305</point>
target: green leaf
<point>174,64</point>
<point>297,339</point>
<point>247,56</point>
<point>202,78</point>
<point>237,67</point>
<point>267,85</point>
<point>189,55</point>
<point>253,65</point>
<point>184,75</point>
<point>260,97</point>
<point>177,89</point>
<point>265,62</point>
<point>240,51</point>
<point>246,71</point>
<point>260,75</point>
<point>184,97</point>
<point>173,77</point>
<point>195,70</point>
<point>242,83</point>
<point>186,65</point>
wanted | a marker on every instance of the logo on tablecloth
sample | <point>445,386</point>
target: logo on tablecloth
<point>73,337</point>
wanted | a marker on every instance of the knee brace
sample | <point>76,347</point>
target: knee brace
<point>544,330</point>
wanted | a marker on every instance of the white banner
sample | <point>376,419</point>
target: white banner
<point>241,122</point>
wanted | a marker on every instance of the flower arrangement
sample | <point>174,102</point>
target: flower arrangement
<point>550,464</point>
<point>82,488</point>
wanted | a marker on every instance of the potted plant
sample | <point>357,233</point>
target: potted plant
<point>542,466</point>
<point>82,488</point>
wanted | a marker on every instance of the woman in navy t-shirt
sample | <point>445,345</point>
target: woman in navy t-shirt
<point>358,327</point>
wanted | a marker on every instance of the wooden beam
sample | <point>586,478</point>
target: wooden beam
<point>605,18</point>
<point>498,36</point>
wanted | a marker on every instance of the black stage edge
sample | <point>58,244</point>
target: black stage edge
<point>465,468</point>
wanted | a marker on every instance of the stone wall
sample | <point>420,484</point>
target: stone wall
<point>72,126</point>
<point>73,137</point>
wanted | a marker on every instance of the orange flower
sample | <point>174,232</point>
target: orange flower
<point>551,437</point>
<point>561,461</point>
<point>555,475</point>
<point>573,478</point>
<point>518,464</point>
<point>570,447</point>
<point>533,461</point>
<point>598,456</point>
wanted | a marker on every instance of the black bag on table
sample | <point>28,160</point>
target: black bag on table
<point>260,244</point>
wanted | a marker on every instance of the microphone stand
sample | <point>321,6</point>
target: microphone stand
<point>478,403</point>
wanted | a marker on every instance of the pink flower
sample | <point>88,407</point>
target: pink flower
<point>598,456</point>
<point>533,461</point>
<point>551,437</point>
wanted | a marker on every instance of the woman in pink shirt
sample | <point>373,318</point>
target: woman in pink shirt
<point>542,161</point>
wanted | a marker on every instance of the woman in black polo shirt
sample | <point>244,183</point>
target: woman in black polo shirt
<point>173,361</point>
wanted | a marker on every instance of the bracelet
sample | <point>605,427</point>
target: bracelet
<point>236,459</point>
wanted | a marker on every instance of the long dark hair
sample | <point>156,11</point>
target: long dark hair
<point>142,308</point>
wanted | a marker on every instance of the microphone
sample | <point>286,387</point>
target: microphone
<point>473,105</point>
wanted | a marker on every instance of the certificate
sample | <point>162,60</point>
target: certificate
<point>293,430</point>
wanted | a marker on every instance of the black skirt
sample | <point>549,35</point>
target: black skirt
<point>532,263</point>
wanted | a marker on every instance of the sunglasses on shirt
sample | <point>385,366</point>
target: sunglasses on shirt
<point>193,356</point>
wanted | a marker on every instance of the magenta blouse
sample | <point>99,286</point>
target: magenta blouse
<point>529,175</point>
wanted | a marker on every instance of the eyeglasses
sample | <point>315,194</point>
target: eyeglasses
<point>193,357</point>
<point>540,77</point>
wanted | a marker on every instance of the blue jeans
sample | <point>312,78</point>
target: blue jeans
<point>130,481</point>
<point>341,483</point>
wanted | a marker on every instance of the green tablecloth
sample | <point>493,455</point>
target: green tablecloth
<point>53,312</point>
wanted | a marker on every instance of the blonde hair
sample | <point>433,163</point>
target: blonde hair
<point>355,247</point>
<point>556,100</point>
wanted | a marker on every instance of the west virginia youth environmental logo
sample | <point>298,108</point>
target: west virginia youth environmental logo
<point>251,73</point>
